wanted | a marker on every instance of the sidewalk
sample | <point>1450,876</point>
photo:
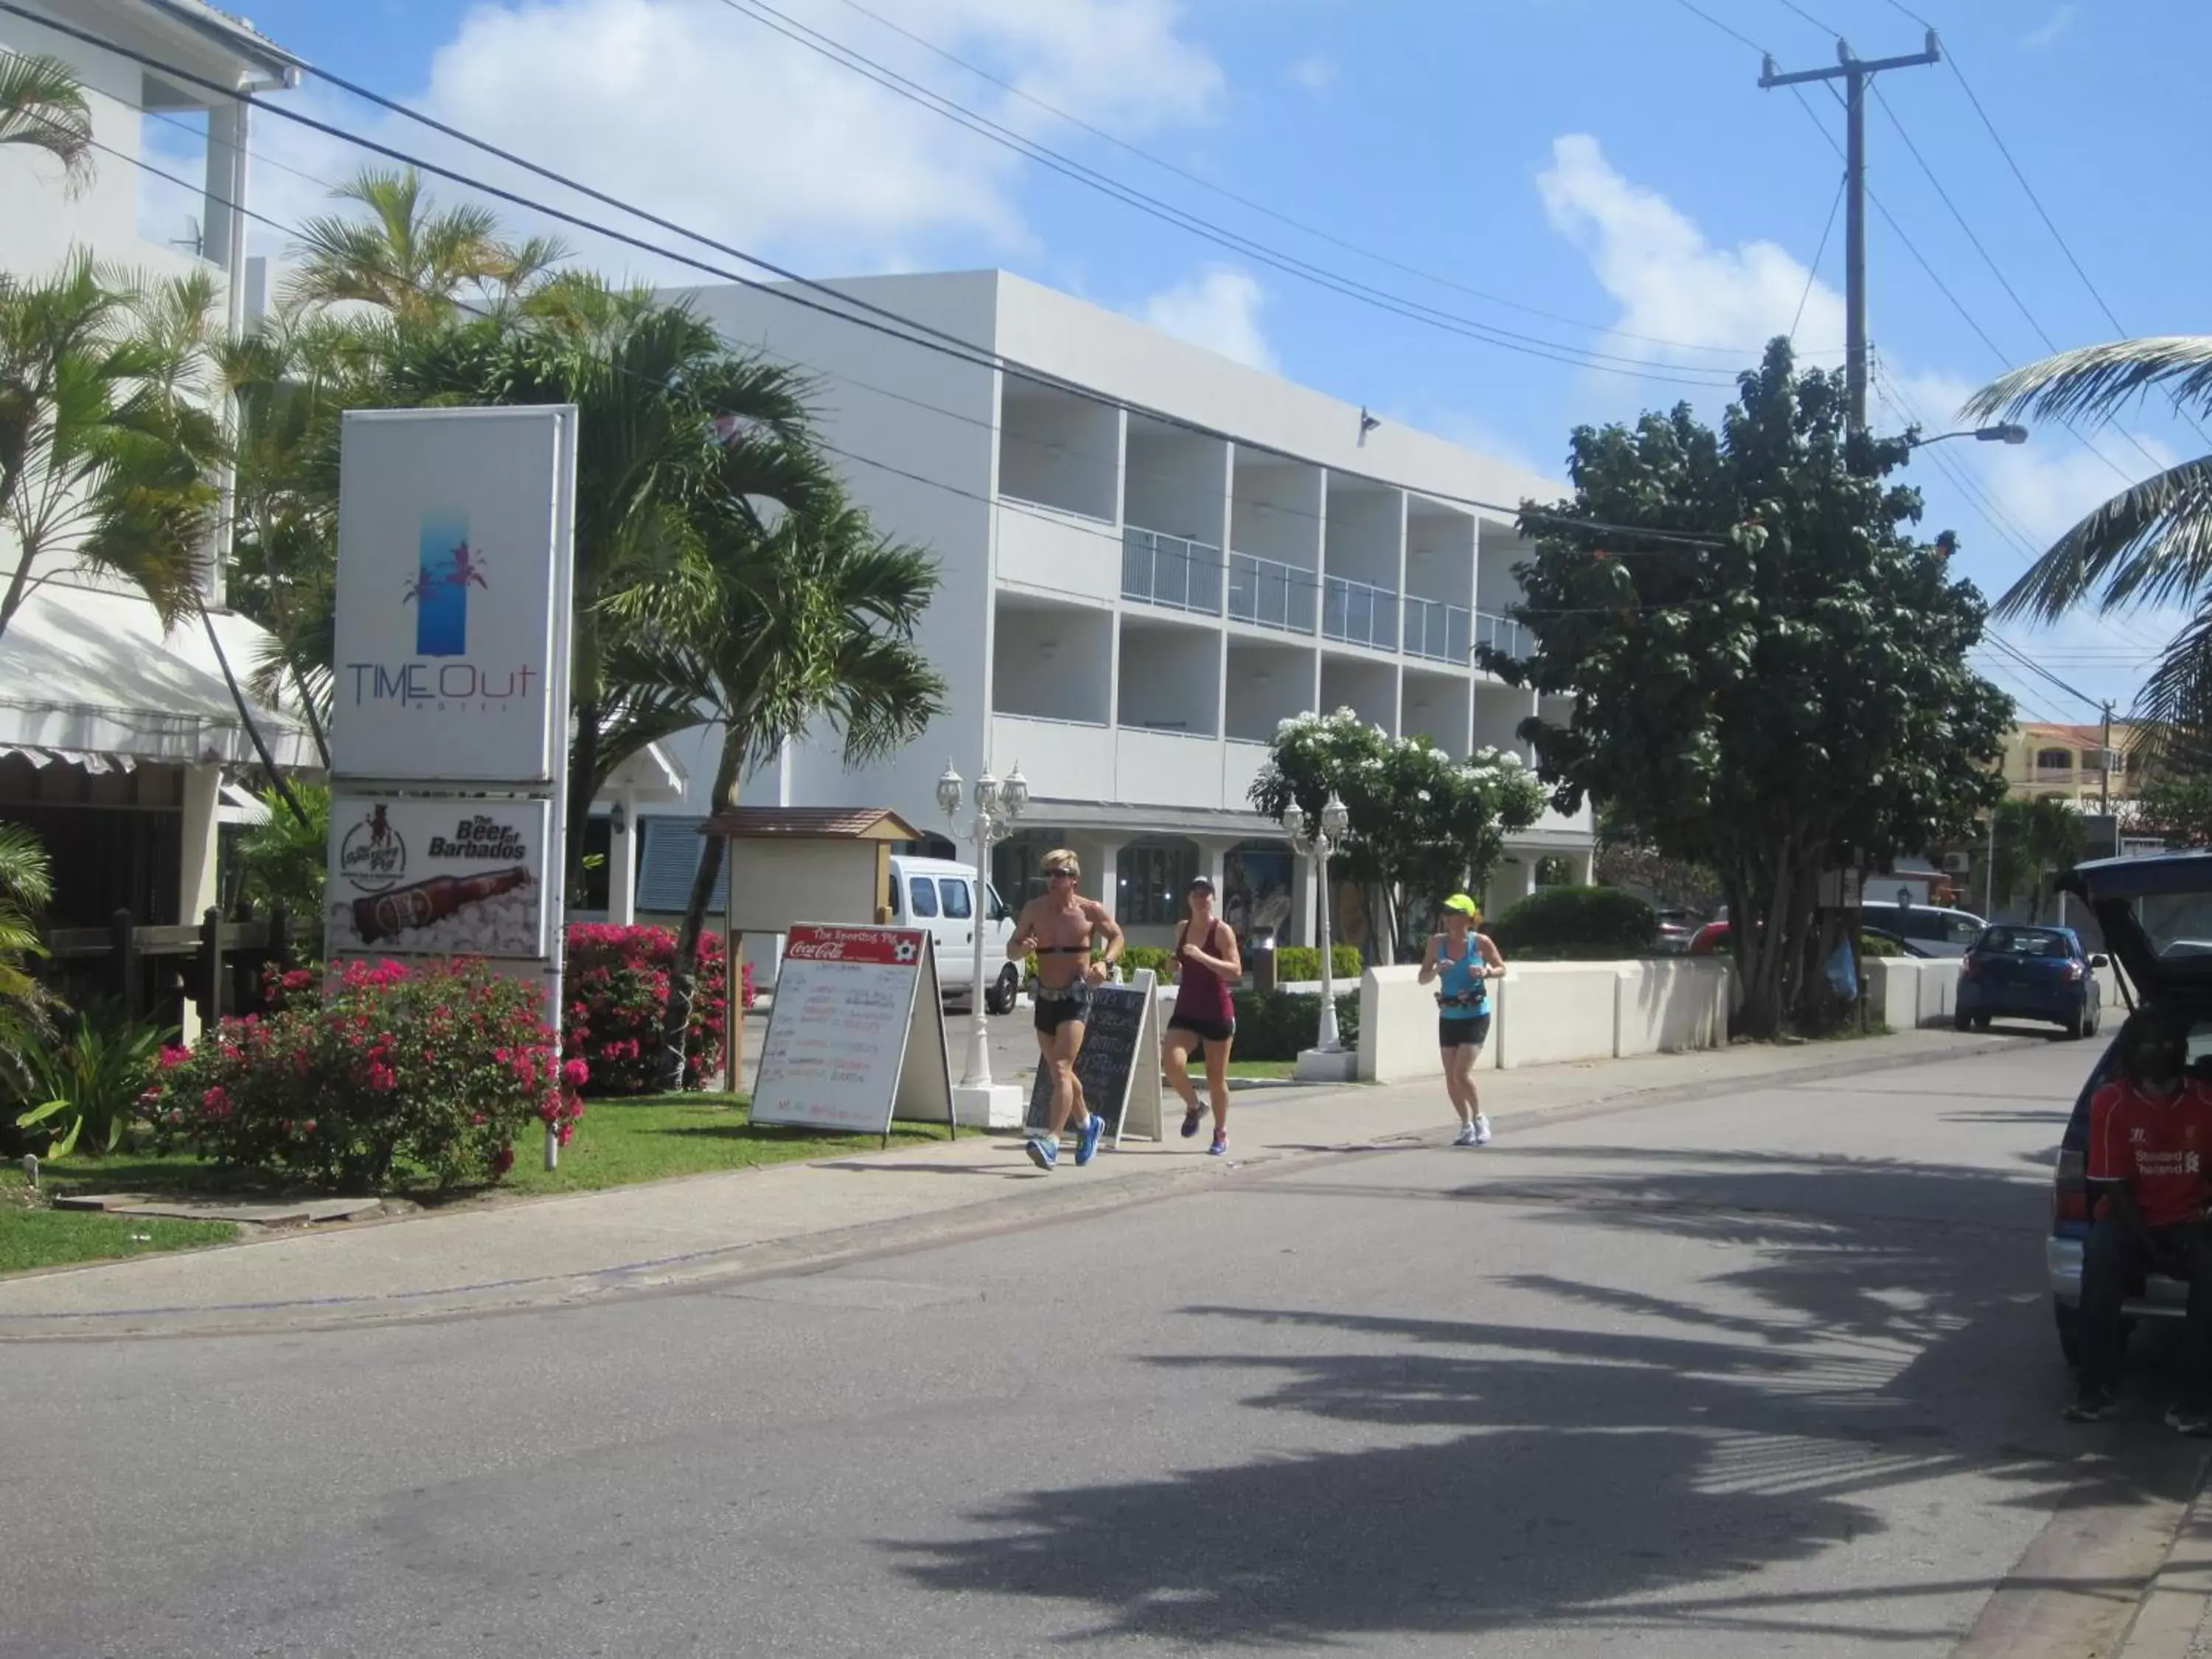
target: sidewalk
<point>547,1252</point>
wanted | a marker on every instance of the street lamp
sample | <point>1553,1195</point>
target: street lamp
<point>998,807</point>
<point>2005,433</point>
<point>1317,840</point>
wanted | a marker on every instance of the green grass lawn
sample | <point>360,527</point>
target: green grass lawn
<point>33,1235</point>
<point>1260,1068</point>
<point>652,1137</point>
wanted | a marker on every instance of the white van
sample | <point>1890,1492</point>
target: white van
<point>940,895</point>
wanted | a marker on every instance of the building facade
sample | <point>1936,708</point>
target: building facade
<point>2070,763</point>
<point>120,741</point>
<point>1150,556</point>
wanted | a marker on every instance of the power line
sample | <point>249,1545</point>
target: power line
<point>1813,270</point>
<point>1316,231</point>
<point>861,313</point>
<point>1734,33</point>
<point>1825,28</point>
<point>937,103</point>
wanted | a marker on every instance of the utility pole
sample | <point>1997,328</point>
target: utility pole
<point>1855,72</point>
<point>2105,772</point>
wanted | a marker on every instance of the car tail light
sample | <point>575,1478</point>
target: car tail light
<point>2073,971</point>
<point>2069,1192</point>
<point>1967,966</point>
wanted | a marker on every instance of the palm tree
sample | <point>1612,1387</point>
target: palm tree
<point>108,440</point>
<point>2149,545</point>
<point>410,261</point>
<point>26,887</point>
<point>814,631</point>
<point>41,105</point>
<point>2033,841</point>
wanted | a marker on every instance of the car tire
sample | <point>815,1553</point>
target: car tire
<point>2069,1320</point>
<point>1962,1020</point>
<point>2076,1029</point>
<point>1982,1021</point>
<point>999,996</point>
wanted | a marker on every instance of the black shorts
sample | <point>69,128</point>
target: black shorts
<point>1212,1030</point>
<point>1451,1033</point>
<point>1056,1008</point>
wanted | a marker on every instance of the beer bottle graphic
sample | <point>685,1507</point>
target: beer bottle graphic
<point>382,915</point>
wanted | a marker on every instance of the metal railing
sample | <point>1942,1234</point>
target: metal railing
<point>1442,632</point>
<point>1270,594</point>
<point>1172,571</point>
<point>1502,634</point>
<point>1359,613</point>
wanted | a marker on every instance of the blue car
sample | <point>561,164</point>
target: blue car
<point>2029,973</point>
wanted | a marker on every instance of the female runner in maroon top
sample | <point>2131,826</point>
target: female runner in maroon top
<point>1207,963</point>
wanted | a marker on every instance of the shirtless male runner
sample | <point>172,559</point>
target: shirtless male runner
<point>1060,926</point>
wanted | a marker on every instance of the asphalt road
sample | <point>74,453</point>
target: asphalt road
<point>1767,1372</point>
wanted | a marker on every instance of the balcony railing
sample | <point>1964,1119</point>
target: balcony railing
<point>1171,571</point>
<point>1270,594</point>
<point>1502,635</point>
<point>1439,631</point>
<point>1359,613</point>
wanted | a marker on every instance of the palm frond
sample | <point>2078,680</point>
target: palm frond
<point>2149,544</point>
<point>42,106</point>
<point>2097,381</point>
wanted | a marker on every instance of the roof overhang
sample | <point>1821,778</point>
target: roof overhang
<point>233,35</point>
<point>869,824</point>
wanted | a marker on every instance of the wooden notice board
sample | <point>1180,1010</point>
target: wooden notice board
<point>856,1037</point>
<point>1119,1065</point>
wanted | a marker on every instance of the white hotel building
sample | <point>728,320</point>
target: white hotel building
<point>1139,582</point>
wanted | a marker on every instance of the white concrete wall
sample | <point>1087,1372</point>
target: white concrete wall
<point>1054,665</point>
<point>1276,511</point>
<point>1439,707</point>
<point>1550,1013</point>
<point>1264,685</point>
<point>1365,533</point>
<point>1170,675</point>
<point>1060,450</point>
<point>1440,553</point>
<point>1893,991</point>
<point>1058,554</point>
<point>1178,484</point>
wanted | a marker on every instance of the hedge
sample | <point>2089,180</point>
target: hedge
<point>1576,924</point>
<point>1300,964</point>
<point>1278,1024</point>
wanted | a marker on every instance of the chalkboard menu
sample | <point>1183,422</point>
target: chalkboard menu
<point>856,1037</point>
<point>1118,1065</point>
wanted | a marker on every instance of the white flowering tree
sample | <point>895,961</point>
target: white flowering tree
<point>1423,825</point>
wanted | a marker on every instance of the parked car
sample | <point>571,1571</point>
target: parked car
<point>2156,915</point>
<point>1933,929</point>
<point>939,896</point>
<point>1676,929</point>
<point>1712,940</point>
<point>2030,973</point>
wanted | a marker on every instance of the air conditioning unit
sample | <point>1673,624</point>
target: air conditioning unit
<point>1958,864</point>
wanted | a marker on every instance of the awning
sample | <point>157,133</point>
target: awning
<point>1149,820</point>
<point>89,676</point>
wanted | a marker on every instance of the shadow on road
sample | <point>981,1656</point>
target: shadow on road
<point>1887,1332</point>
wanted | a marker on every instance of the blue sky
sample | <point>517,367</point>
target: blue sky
<point>1612,162</point>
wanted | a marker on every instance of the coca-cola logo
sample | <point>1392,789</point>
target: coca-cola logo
<point>372,856</point>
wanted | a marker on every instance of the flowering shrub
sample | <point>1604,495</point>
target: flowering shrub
<point>617,987</point>
<point>434,1068</point>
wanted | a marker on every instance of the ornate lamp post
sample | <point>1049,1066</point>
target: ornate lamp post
<point>1317,840</point>
<point>998,807</point>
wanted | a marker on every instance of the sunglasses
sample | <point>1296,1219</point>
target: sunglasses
<point>1057,873</point>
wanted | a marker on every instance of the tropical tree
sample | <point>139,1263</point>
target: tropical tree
<point>2151,543</point>
<point>409,260</point>
<point>108,442</point>
<point>43,107</point>
<point>1767,672</point>
<point>26,887</point>
<point>1423,826</point>
<point>811,631</point>
<point>2033,841</point>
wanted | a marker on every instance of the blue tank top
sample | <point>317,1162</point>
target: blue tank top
<point>1460,980</point>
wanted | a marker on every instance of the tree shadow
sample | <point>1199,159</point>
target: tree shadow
<point>1875,1326</point>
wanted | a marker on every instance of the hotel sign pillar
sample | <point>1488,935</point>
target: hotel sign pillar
<point>449,723</point>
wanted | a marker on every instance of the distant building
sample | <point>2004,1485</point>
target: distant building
<point>2069,763</point>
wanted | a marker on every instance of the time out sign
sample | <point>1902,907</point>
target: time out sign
<point>454,531</point>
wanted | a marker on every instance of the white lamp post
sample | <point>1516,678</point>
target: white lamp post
<point>1327,1060</point>
<point>998,807</point>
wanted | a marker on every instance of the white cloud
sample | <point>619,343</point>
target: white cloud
<point>1314,74</point>
<point>707,117</point>
<point>1219,309</point>
<point>1672,284</point>
<point>2049,29</point>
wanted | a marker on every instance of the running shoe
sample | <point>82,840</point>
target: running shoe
<point>1481,1130</point>
<point>1191,1120</point>
<point>2093,1404</point>
<point>1044,1151</point>
<point>1465,1136</point>
<point>1221,1147</point>
<point>1086,1138</point>
<point>2193,1420</point>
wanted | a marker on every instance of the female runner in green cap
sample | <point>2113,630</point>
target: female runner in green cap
<point>1465,961</point>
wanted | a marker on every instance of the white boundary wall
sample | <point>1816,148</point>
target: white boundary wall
<point>1550,1013</point>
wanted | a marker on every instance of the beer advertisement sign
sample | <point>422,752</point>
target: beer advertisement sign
<point>455,532</point>
<point>421,877</point>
